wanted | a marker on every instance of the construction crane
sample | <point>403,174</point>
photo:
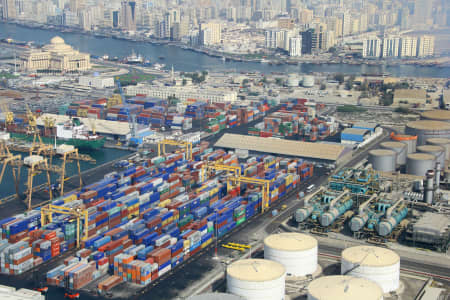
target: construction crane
<point>264,183</point>
<point>47,212</point>
<point>235,170</point>
<point>186,145</point>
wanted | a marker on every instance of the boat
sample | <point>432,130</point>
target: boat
<point>71,132</point>
<point>134,59</point>
<point>161,57</point>
<point>264,61</point>
<point>158,66</point>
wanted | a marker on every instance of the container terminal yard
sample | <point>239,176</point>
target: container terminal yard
<point>256,199</point>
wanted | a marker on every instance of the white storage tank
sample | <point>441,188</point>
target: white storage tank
<point>341,287</point>
<point>378,264</point>
<point>443,142</point>
<point>297,252</point>
<point>399,148</point>
<point>292,80</point>
<point>256,279</point>
<point>308,81</point>
<point>437,115</point>
<point>425,129</point>
<point>383,160</point>
<point>215,296</point>
<point>409,140</point>
<point>437,151</point>
<point>419,163</point>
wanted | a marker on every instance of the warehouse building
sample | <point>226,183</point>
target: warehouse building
<point>353,136</point>
<point>320,152</point>
<point>372,127</point>
<point>97,82</point>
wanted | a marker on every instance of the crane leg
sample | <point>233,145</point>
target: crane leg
<point>63,174</point>
<point>30,186</point>
<point>79,170</point>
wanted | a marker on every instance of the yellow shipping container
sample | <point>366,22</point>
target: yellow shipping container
<point>164,203</point>
<point>70,198</point>
<point>186,244</point>
<point>206,243</point>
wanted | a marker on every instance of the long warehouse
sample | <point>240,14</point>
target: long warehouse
<point>314,151</point>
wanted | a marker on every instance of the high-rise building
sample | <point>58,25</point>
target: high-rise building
<point>408,46</point>
<point>115,17</point>
<point>76,5</point>
<point>295,46</point>
<point>422,11</point>
<point>273,38</point>
<point>285,23</point>
<point>128,12</point>
<point>391,47</point>
<point>9,9</point>
<point>425,46</point>
<point>210,33</point>
<point>309,41</point>
<point>180,30</point>
<point>372,47</point>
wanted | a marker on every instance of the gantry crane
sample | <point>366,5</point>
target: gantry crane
<point>47,212</point>
<point>235,170</point>
<point>186,145</point>
<point>14,161</point>
<point>264,183</point>
<point>9,116</point>
<point>37,164</point>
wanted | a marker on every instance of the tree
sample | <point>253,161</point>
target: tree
<point>279,81</point>
<point>339,77</point>
<point>364,86</point>
<point>184,82</point>
<point>387,99</point>
<point>349,83</point>
<point>323,86</point>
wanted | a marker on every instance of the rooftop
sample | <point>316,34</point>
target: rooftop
<point>429,125</point>
<point>432,223</point>
<point>381,152</point>
<point>290,241</point>
<point>393,144</point>
<point>256,270</point>
<point>421,156</point>
<point>365,125</point>
<point>371,256</point>
<point>430,148</point>
<point>344,288</point>
<point>442,115</point>
<point>281,146</point>
<point>357,131</point>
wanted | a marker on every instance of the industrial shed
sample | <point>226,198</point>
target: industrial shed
<point>111,129</point>
<point>313,151</point>
<point>372,127</point>
<point>354,135</point>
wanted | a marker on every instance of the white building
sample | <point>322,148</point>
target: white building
<point>391,46</point>
<point>273,39</point>
<point>295,46</point>
<point>372,47</point>
<point>182,93</point>
<point>425,46</point>
<point>97,82</point>
<point>408,46</point>
<point>210,33</point>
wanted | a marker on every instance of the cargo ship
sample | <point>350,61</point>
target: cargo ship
<point>72,132</point>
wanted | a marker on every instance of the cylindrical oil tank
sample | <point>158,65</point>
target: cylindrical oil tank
<point>443,142</point>
<point>308,81</point>
<point>425,129</point>
<point>256,279</point>
<point>383,160</point>
<point>297,252</point>
<point>436,115</point>
<point>419,163</point>
<point>437,151</point>
<point>340,287</point>
<point>292,80</point>
<point>409,140</point>
<point>215,296</point>
<point>399,148</point>
<point>380,265</point>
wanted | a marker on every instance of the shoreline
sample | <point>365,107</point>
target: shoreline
<point>236,57</point>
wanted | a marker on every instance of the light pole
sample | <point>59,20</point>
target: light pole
<point>216,230</point>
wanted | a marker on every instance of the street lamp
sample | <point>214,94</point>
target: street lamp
<point>216,230</point>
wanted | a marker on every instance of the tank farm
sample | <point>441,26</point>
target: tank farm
<point>136,225</point>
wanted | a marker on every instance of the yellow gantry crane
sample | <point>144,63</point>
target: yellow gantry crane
<point>37,164</point>
<point>235,170</point>
<point>187,145</point>
<point>264,183</point>
<point>47,212</point>
<point>9,116</point>
<point>14,161</point>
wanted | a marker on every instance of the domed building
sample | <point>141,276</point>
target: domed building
<point>56,56</point>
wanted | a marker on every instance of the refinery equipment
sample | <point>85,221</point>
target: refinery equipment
<point>256,279</point>
<point>357,181</point>
<point>337,207</point>
<point>297,252</point>
<point>78,214</point>
<point>394,215</point>
<point>344,287</point>
<point>369,210</point>
<point>431,230</point>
